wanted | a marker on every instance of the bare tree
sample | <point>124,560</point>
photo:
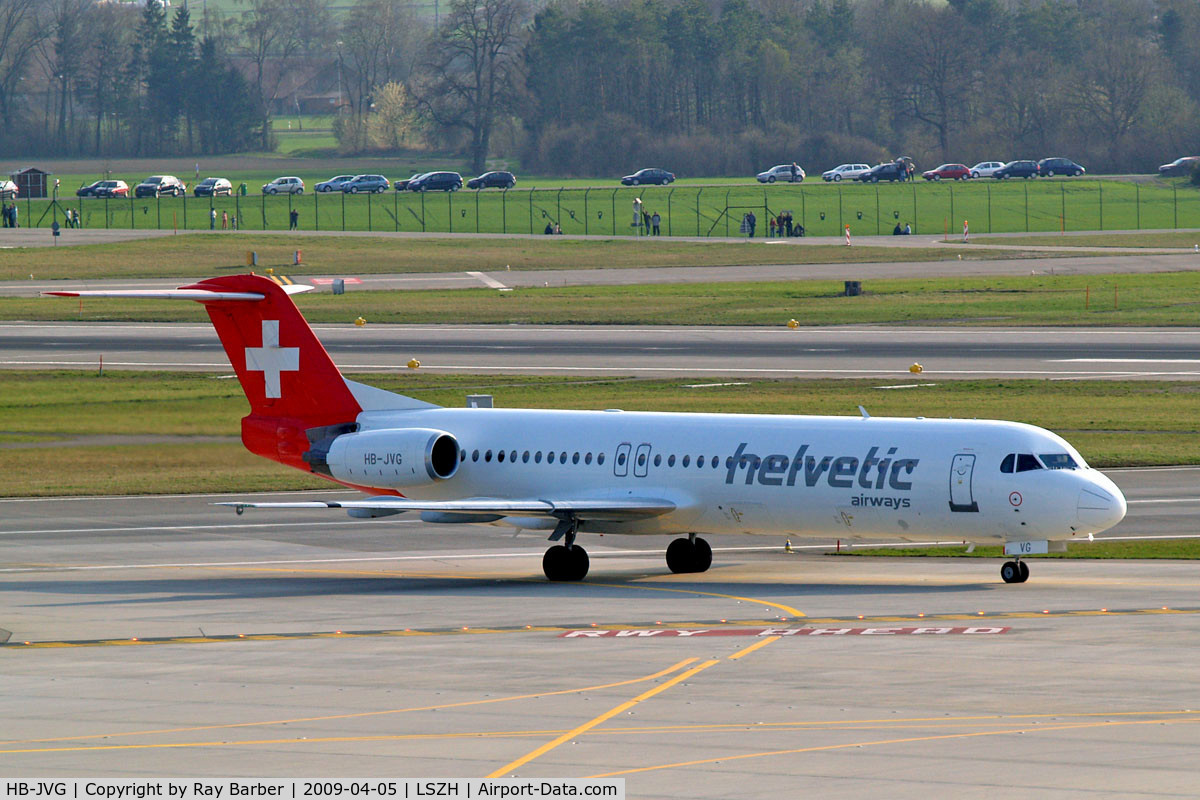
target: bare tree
<point>270,38</point>
<point>1112,87</point>
<point>19,37</point>
<point>471,69</point>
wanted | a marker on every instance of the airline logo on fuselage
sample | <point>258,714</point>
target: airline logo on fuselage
<point>840,472</point>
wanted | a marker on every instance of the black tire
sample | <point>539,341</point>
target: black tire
<point>974,174</point>
<point>1077,173</point>
<point>1049,173</point>
<point>578,561</point>
<point>874,179</point>
<point>1024,571</point>
<point>837,177</point>
<point>681,556</point>
<point>633,182</point>
<point>353,190</point>
<point>935,177</point>
<point>770,179</point>
<point>703,556</point>
<point>554,563</point>
<point>1010,572</point>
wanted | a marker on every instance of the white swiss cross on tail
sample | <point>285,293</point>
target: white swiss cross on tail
<point>271,359</point>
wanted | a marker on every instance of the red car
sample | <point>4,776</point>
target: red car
<point>958,172</point>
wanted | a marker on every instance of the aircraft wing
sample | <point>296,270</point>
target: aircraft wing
<point>597,509</point>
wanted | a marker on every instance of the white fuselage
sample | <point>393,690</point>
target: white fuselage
<point>763,474</point>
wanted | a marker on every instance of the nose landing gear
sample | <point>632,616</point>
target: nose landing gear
<point>569,561</point>
<point>1016,571</point>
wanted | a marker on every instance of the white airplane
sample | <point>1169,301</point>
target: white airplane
<point>613,471</point>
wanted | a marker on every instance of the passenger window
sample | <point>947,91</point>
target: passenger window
<point>600,459</point>
<point>462,455</point>
<point>500,456</point>
<point>1058,461</point>
<point>562,457</point>
<point>1006,466</point>
<point>687,460</point>
<point>587,459</point>
<point>537,457</point>
<point>642,460</point>
<point>487,456</point>
<point>715,462</point>
<point>513,456</point>
<point>658,460</point>
<point>575,458</point>
<point>621,459</point>
<point>700,462</point>
<point>475,456</point>
<point>525,457</point>
<point>1026,462</point>
<point>671,461</point>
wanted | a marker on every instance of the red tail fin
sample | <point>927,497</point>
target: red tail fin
<point>290,381</point>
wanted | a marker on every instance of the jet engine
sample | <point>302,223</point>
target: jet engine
<point>388,459</point>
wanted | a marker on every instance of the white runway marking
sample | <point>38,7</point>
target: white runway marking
<point>1166,500</point>
<point>487,280</point>
<point>1125,360</point>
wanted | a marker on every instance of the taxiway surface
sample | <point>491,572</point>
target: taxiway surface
<point>169,637</point>
<point>850,351</point>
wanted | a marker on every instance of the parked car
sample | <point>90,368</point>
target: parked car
<point>158,185</point>
<point>213,187</point>
<point>286,185</point>
<point>955,172</point>
<point>1049,167</point>
<point>782,172</point>
<point>986,169</point>
<point>367,184</point>
<point>112,189</point>
<point>1180,166</point>
<point>436,181</point>
<point>497,179</point>
<point>403,185</point>
<point>887,171</point>
<point>90,189</point>
<point>8,190</point>
<point>651,175</point>
<point>848,171</point>
<point>334,184</point>
<point>1017,169</point>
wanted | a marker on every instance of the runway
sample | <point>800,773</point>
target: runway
<point>701,352</point>
<point>168,637</point>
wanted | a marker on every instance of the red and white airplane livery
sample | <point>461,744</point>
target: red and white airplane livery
<point>572,472</point>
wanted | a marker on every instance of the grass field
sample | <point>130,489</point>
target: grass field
<point>52,410</point>
<point>213,254</point>
<point>1163,299</point>
<point>687,209</point>
<point>1101,240</point>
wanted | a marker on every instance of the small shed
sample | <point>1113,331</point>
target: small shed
<point>31,182</point>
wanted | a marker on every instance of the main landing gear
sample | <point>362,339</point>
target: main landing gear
<point>1014,572</point>
<point>689,555</point>
<point>568,561</point>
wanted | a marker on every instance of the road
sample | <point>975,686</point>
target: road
<point>852,351</point>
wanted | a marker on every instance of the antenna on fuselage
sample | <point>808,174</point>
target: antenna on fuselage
<point>863,411</point>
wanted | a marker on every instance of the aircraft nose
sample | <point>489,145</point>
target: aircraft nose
<point>1101,504</point>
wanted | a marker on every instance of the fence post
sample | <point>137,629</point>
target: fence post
<point>132,215</point>
<point>952,205</point>
<point>700,192</point>
<point>558,207</point>
<point>915,223</point>
<point>450,210</point>
<point>1175,194</point>
<point>1100,186</point>
<point>585,210</point>
<point>185,211</point>
<point>395,210</point>
<point>669,210</point>
<point>264,211</point>
<point>877,207</point>
<point>477,211</point>
<point>727,191</point>
<point>316,210</point>
<point>158,211</point>
<point>989,196</point>
<point>1026,206</point>
<point>803,208</point>
<point>1063,186</point>
<point>504,210</point>
<point>841,222</point>
<point>614,212</point>
<point>237,206</point>
<point>1137,201</point>
<point>343,212</point>
<point>531,212</point>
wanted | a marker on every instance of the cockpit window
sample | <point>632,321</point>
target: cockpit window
<point>1058,461</point>
<point>1006,466</point>
<point>1026,462</point>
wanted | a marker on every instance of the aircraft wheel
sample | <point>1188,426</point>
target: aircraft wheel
<point>1024,571</point>
<point>703,556</point>
<point>561,564</point>
<point>1011,572</point>
<point>681,555</point>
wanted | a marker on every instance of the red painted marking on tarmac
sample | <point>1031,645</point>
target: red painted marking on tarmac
<point>328,281</point>
<point>646,633</point>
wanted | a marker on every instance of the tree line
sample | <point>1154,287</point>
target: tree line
<point>598,87</point>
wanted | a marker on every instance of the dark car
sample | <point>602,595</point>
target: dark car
<point>887,171</point>
<point>112,188</point>
<point>158,185</point>
<point>1180,166</point>
<point>367,184</point>
<point>1017,169</point>
<point>213,187</point>
<point>950,172</point>
<point>651,175</point>
<point>436,181</point>
<point>1049,167</point>
<point>90,189</point>
<point>406,183</point>
<point>497,180</point>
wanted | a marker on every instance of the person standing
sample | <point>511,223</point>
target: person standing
<point>224,220</point>
<point>12,212</point>
<point>212,219</point>
<point>646,221</point>
<point>753,221</point>
<point>656,221</point>
<point>294,219</point>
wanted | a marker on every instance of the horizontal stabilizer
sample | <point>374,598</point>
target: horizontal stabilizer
<point>199,295</point>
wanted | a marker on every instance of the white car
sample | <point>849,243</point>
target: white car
<point>781,172</point>
<point>846,171</point>
<point>985,169</point>
<point>8,190</point>
<point>289,185</point>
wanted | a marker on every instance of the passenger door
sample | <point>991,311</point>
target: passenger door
<point>641,462</point>
<point>962,470</point>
